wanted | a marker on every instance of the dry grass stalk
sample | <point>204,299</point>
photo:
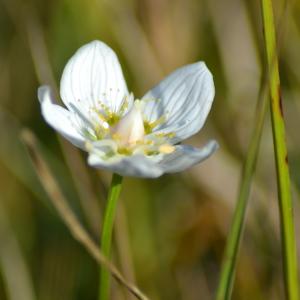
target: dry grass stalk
<point>78,232</point>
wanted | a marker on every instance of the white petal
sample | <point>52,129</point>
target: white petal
<point>93,76</point>
<point>185,98</point>
<point>186,156</point>
<point>58,117</point>
<point>135,166</point>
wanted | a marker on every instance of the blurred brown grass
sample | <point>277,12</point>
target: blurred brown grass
<point>174,228</point>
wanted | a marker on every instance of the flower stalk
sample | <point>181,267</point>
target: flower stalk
<point>106,236</point>
<point>290,264</point>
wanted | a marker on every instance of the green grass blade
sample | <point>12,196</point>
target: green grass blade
<point>283,179</point>
<point>106,237</point>
<point>235,233</point>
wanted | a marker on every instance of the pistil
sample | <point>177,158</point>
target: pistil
<point>130,129</point>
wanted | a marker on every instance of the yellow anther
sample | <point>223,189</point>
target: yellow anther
<point>150,152</point>
<point>113,119</point>
<point>116,137</point>
<point>148,142</point>
<point>166,149</point>
<point>148,127</point>
<point>124,151</point>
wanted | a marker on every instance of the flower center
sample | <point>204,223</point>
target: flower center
<point>127,134</point>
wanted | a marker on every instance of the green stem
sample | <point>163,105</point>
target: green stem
<point>235,233</point>
<point>283,179</point>
<point>106,237</point>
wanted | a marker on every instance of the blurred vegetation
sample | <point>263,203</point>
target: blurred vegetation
<point>170,232</point>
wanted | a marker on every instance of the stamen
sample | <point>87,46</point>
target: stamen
<point>100,131</point>
<point>106,115</point>
<point>150,152</point>
<point>150,126</point>
<point>125,132</point>
<point>125,104</point>
<point>116,137</point>
<point>105,148</point>
<point>151,99</point>
<point>91,135</point>
<point>125,151</point>
<point>105,109</point>
<point>169,135</point>
<point>166,148</point>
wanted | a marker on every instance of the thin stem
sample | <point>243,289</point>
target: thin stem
<point>236,230</point>
<point>49,182</point>
<point>106,237</point>
<point>283,179</point>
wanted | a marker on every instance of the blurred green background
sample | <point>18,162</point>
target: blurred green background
<point>170,232</point>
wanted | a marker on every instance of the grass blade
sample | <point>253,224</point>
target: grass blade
<point>283,179</point>
<point>235,233</point>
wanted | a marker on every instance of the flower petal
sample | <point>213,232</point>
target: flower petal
<point>185,98</point>
<point>186,156</point>
<point>135,165</point>
<point>58,117</point>
<point>93,76</point>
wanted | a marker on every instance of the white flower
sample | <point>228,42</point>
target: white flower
<point>132,138</point>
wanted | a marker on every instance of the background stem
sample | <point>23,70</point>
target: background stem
<point>106,237</point>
